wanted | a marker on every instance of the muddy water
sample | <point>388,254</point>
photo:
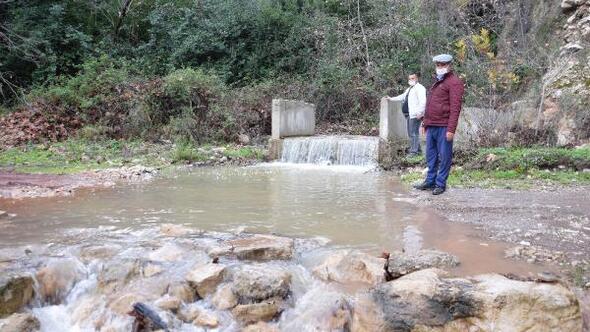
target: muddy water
<point>348,206</point>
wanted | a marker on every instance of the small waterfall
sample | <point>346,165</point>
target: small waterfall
<point>331,150</point>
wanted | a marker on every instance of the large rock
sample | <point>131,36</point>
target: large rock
<point>167,253</point>
<point>169,303</point>
<point>15,292</point>
<point>224,298</point>
<point>255,283</point>
<point>205,278</point>
<point>57,278</point>
<point>24,322</point>
<point>427,301</point>
<point>346,266</point>
<point>401,263</point>
<point>206,319</point>
<point>255,312</point>
<point>182,291</point>
<point>262,247</point>
<point>115,275</point>
<point>99,252</point>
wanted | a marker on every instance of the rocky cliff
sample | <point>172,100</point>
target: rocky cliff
<point>566,86</point>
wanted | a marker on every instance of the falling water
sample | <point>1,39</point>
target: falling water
<point>331,150</point>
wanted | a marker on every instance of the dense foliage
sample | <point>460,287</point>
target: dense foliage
<point>207,69</point>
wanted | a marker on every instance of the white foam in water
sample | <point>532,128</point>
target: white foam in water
<point>331,150</point>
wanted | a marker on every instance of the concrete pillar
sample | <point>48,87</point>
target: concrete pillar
<point>392,123</point>
<point>292,118</point>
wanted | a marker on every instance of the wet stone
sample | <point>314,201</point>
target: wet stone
<point>427,300</point>
<point>90,253</point>
<point>401,263</point>
<point>206,319</point>
<point>205,278</point>
<point>169,303</point>
<point>224,298</point>
<point>22,322</point>
<point>252,313</point>
<point>262,247</point>
<point>182,291</point>
<point>57,278</point>
<point>117,275</point>
<point>346,266</point>
<point>258,282</point>
<point>261,327</point>
<point>167,253</point>
<point>151,270</point>
<point>15,292</point>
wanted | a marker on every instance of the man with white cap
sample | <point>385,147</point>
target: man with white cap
<point>443,107</point>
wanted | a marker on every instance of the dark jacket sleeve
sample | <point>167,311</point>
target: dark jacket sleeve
<point>456,91</point>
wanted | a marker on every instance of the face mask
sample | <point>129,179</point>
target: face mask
<point>441,71</point>
<point>412,83</point>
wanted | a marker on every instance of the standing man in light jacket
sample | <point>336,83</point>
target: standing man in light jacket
<point>440,122</point>
<point>414,104</point>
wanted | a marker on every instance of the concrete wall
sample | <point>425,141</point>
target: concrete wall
<point>392,123</point>
<point>275,149</point>
<point>292,118</point>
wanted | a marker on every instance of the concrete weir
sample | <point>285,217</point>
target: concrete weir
<point>293,140</point>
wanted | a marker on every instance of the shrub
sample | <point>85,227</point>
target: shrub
<point>185,151</point>
<point>525,159</point>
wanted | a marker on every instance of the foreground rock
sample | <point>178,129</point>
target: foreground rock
<point>255,312</point>
<point>205,278</point>
<point>15,292</point>
<point>401,263</point>
<point>24,322</point>
<point>260,247</point>
<point>346,266</point>
<point>57,278</point>
<point>427,301</point>
<point>255,283</point>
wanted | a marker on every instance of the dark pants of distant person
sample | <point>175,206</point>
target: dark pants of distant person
<point>439,155</point>
<point>413,126</point>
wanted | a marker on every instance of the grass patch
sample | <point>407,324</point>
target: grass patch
<point>186,152</point>
<point>463,178</point>
<point>524,159</point>
<point>512,167</point>
<point>246,152</point>
<point>77,155</point>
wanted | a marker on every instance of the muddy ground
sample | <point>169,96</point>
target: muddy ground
<point>545,225</point>
<point>18,185</point>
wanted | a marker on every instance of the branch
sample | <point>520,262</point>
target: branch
<point>123,11</point>
<point>358,12</point>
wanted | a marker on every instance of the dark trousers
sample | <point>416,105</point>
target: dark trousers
<point>439,156</point>
<point>413,126</point>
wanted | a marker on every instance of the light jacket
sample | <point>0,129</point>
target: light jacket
<point>416,100</point>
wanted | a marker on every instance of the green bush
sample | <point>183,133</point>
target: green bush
<point>98,82</point>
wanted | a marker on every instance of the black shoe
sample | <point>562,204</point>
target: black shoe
<point>438,190</point>
<point>424,186</point>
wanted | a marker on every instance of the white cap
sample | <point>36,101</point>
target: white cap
<point>443,58</point>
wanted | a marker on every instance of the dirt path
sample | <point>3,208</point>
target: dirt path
<point>545,225</point>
